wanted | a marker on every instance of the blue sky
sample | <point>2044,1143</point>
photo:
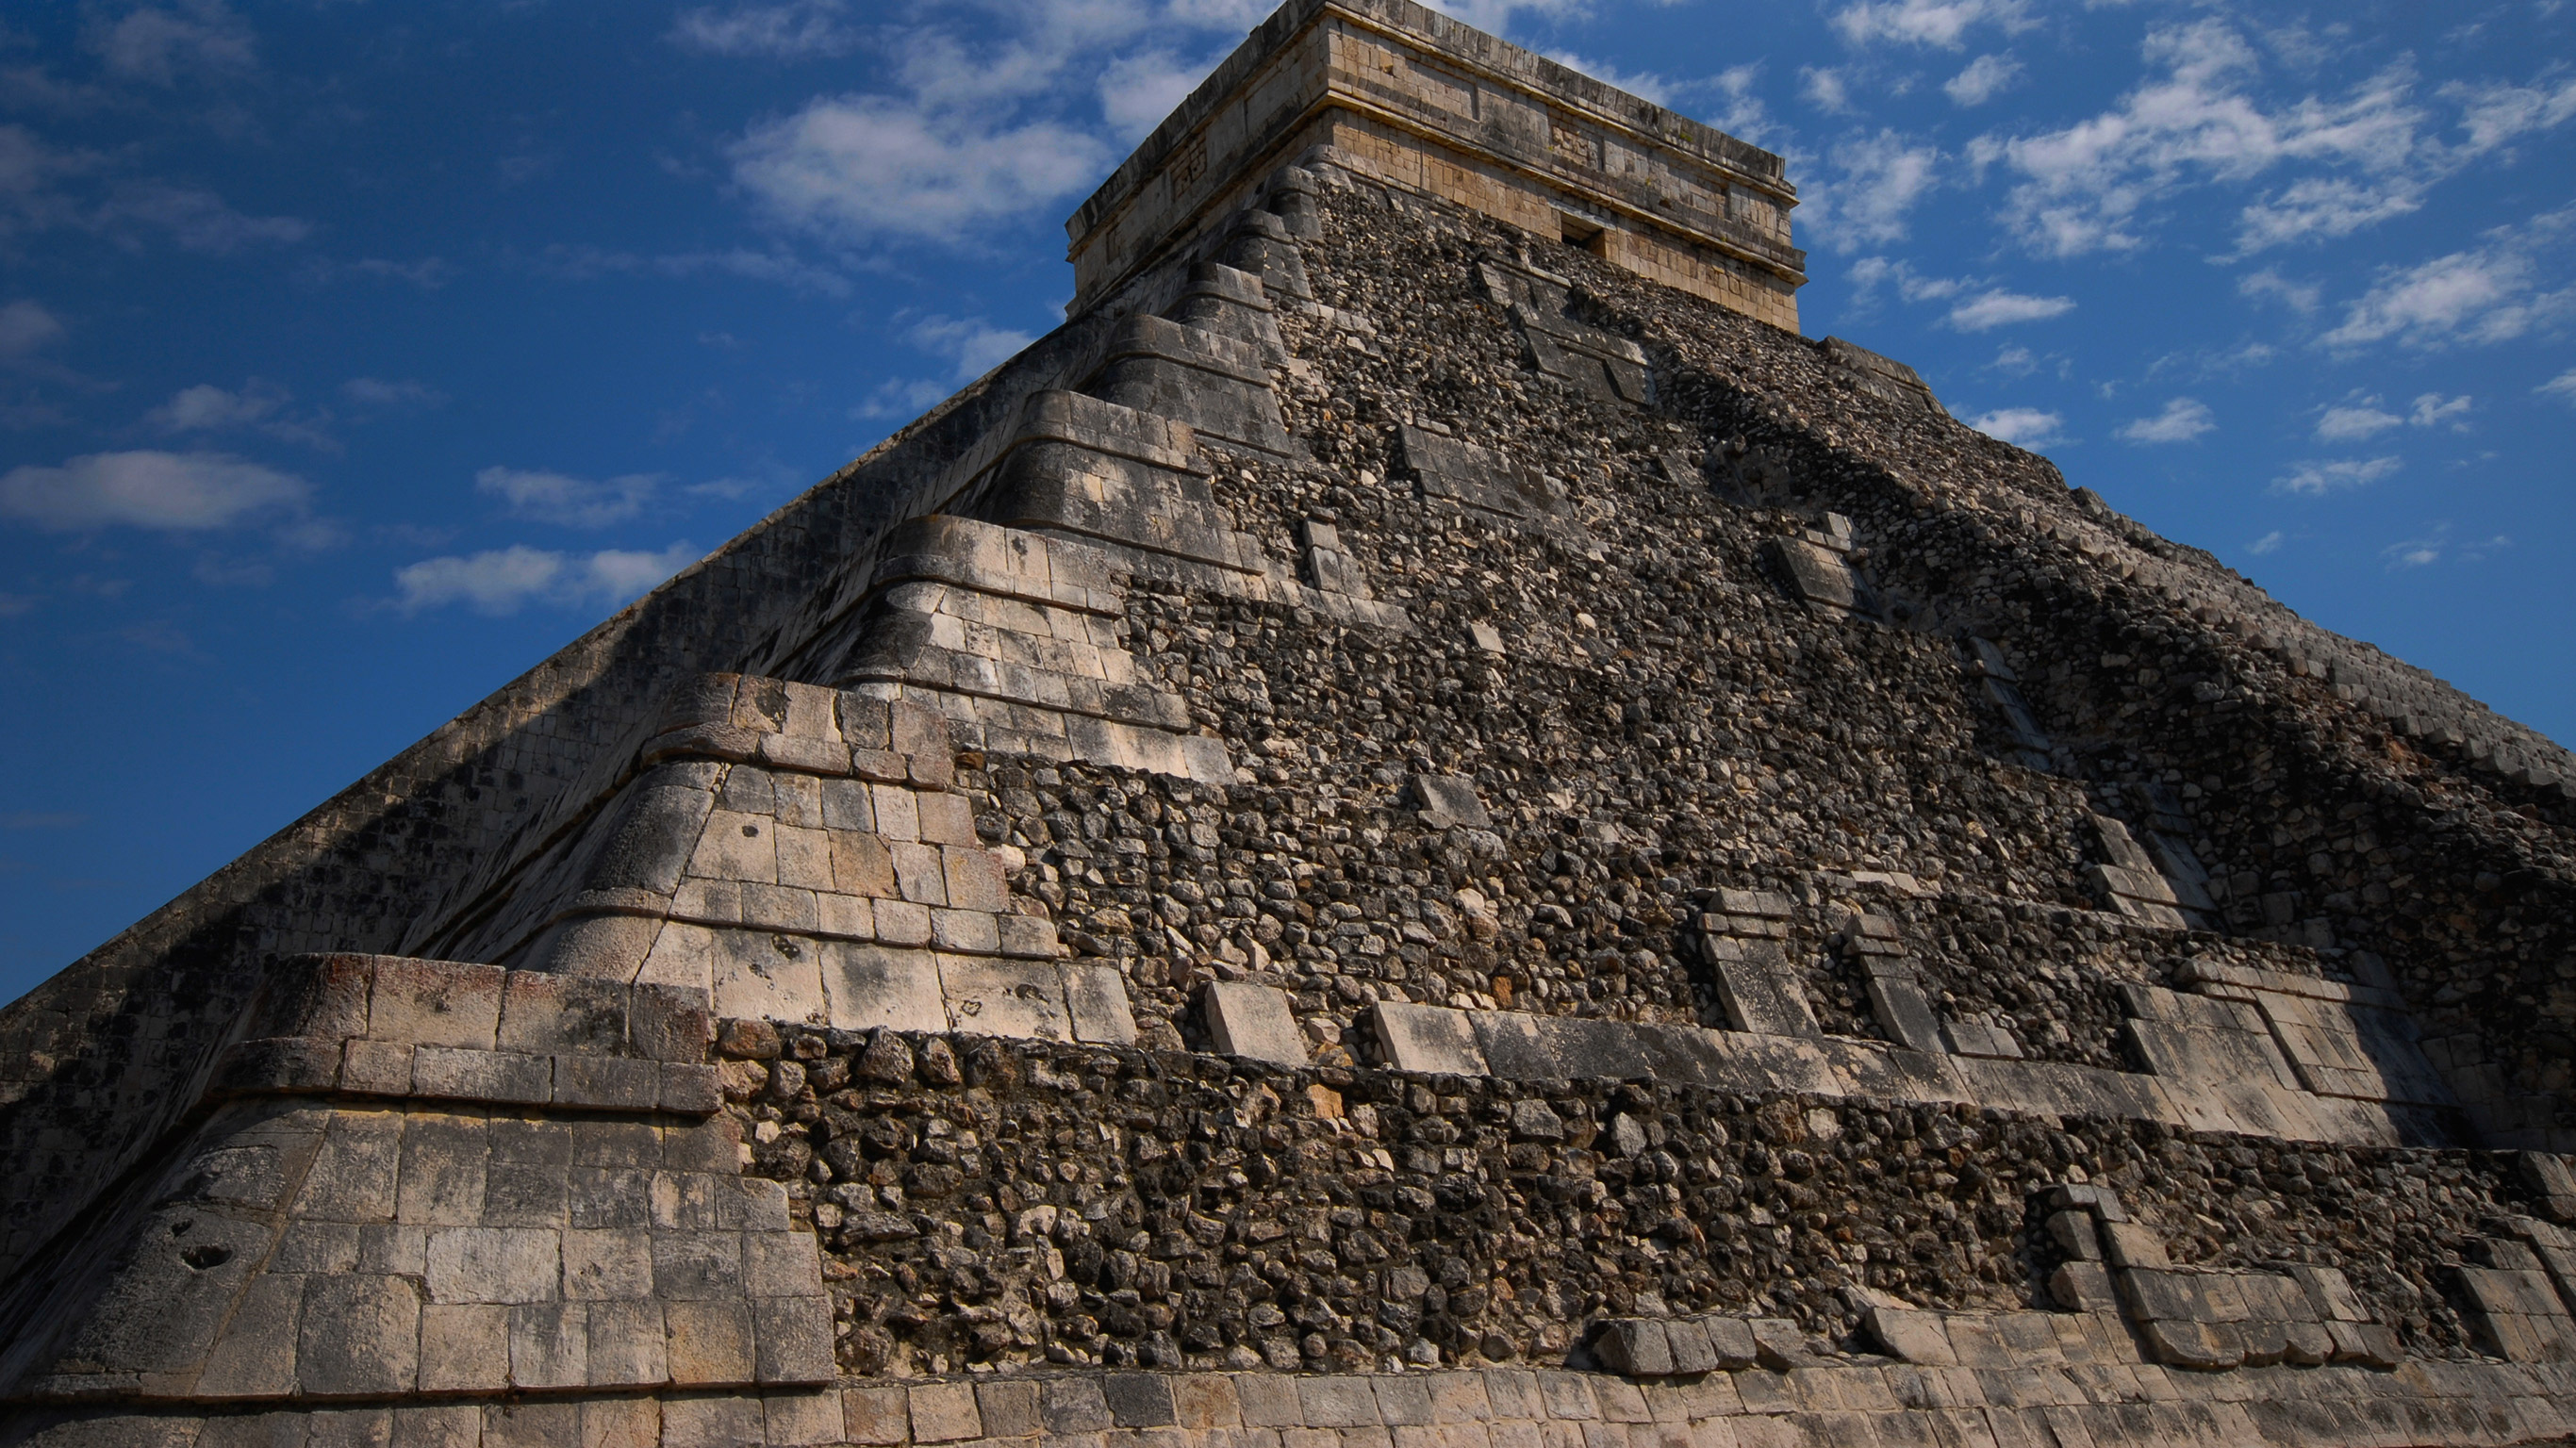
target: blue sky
<point>355,356</point>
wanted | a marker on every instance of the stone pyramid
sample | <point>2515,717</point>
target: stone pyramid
<point>1424,829</point>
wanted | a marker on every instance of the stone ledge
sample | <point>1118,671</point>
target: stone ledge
<point>1830,1406</point>
<point>1443,1040</point>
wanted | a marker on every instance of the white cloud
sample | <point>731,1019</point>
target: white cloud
<point>2014,360</point>
<point>1938,23</point>
<point>1137,91</point>
<point>504,580</point>
<point>404,395</point>
<point>196,219</point>
<point>587,263</point>
<point>2021,426</point>
<point>977,346</point>
<point>2086,187</point>
<point>26,327</point>
<point>160,46</point>
<point>574,502</point>
<point>2562,386</point>
<point>2000,308</point>
<point>2437,545</point>
<point>2183,420</point>
<point>2494,113</point>
<point>2490,293</point>
<point>2269,543</point>
<point>2353,424</point>
<point>184,492</point>
<point>899,397</point>
<point>861,168</point>
<point>1824,89</point>
<point>2315,480</point>
<point>2432,410</point>
<point>208,408</point>
<point>1875,182</point>
<point>1645,85</point>
<point>1986,77</point>
<point>799,30</point>
<point>2299,296</point>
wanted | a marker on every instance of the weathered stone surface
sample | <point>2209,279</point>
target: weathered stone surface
<point>1864,852</point>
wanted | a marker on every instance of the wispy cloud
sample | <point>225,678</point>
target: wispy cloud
<point>2437,545</point>
<point>2183,420</point>
<point>2022,426</point>
<point>1975,305</point>
<point>800,30</point>
<point>1998,308</point>
<point>2269,543</point>
<point>163,45</point>
<point>550,497</point>
<point>397,396</point>
<point>586,263</point>
<point>25,328</point>
<point>178,492</point>
<point>2562,386</point>
<point>505,580</point>
<point>2490,293</point>
<point>1985,78</point>
<point>1872,187</point>
<point>2316,479</point>
<point>2362,158</point>
<point>862,169</point>
<point>1942,24</point>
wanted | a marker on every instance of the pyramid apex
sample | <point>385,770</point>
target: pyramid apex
<point>1415,100</point>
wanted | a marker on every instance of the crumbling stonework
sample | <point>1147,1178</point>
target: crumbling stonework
<point>1406,833</point>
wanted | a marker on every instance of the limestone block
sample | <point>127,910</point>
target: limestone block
<point>2131,1244</point>
<point>902,923</point>
<point>1096,997</point>
<point>997,998</point>
<point>974,879</point>
<point>550,1345</point>
<point>2083,1287</point>
<point>1971,1038</point>
<point>1253,1021</point>
<point>1427,1039</point>
<point>1073,1405</point>
<point>1486,638</point>
<point>1911,1336</point>
<point>944,1413</point>
<point>1759,999</point>
<point>2329,1292</point>
<point>2204,1347</point>
<point>1139,1400</point>
<point>876,1417</point>
<point>314,995</point>
<point>493,1265</point>
<point>435,1003</point>
<point>496,1076</point>
<point>545,1014</point>
<point>360,1335</point>
<point>768,977</point>
<point>863,865</point>
<point>792,1339</point>
<point>2075,1235</point>
<point>1448,801</point>
<point>969,932</point>
<point>708,1342</point>
<point>1898,1003</point>
<point>1635,1346</point>
<point>464,1348</point>
<point>1027,936</point>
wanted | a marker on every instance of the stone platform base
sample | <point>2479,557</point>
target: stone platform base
<point>1833,1406</point>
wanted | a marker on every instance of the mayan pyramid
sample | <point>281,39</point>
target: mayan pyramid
<point>1423,829</point>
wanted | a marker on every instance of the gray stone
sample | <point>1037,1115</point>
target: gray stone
<point>1252,1021</point>
<point>1429,1040</point>
<point>1447,801</point>
<point>1634,1346</point>
<point>1758,998</point>
<point>1139,1400</point>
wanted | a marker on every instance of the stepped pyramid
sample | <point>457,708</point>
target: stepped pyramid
<point>1424,829</point>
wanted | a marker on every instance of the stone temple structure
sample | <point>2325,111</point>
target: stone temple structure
<point>1424,829</point>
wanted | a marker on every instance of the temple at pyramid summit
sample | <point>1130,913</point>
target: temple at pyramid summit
<point>1425,828</point>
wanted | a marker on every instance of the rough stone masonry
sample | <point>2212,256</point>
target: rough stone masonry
<point>1424,829</point>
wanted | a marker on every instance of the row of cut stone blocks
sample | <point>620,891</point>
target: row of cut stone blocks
<point>391,1026</point>
<point>1825,1407</point>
